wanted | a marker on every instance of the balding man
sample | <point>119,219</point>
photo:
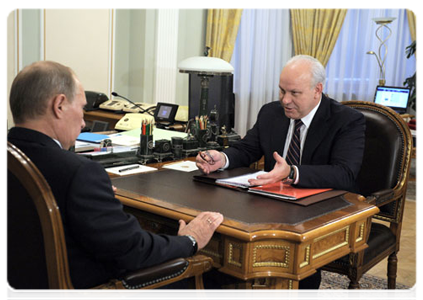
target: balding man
<point>306,138</point>
<point>102,241</point>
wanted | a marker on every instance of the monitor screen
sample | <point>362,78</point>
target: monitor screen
<point>393,97</point>
<point>165,112</point>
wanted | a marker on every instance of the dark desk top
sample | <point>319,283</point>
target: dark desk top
<point>179,188</point>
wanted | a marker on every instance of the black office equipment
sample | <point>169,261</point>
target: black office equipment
<point>94,99</point>
<point>394,97</point>
<point>220,95</point>
<point>99,126</point>
<point>165,114</point>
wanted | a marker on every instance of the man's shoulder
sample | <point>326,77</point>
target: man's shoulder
<point>341,110</point>
<point>272,107</point>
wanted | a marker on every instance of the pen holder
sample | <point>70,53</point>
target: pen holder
<point>146,145</point>
<point>202,138</point>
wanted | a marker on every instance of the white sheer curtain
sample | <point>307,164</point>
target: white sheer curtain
<point>351,73</point>
<point>263,46</point>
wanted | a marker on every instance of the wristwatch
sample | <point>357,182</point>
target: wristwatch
<point>194,243</point>
<point>290,178</point>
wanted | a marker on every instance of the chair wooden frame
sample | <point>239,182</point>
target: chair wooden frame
<point>391,197</point>
<point>55,246</point>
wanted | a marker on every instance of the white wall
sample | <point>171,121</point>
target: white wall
<point>110,50</point>
<point>80,39</point>
<point>11,61</point>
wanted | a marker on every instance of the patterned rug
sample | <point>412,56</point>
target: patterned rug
<point>335,287</point>
<point>411,188</point>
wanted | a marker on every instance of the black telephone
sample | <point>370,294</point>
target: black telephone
<point>94,99</point>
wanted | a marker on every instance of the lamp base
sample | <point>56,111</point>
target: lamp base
<point>382,82</point>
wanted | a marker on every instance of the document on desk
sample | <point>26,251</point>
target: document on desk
<point>130,169</point>
<point>277,191</point>
<point>184,166</point>
<point>240,181</point>
<point>124,140</point>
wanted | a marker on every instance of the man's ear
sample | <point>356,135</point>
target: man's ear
<point>58,104</point>
<point>318,90</point>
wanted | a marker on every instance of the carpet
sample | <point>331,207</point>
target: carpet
<point>335,287</point>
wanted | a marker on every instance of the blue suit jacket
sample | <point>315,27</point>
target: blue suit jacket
<point>101,239</point>
<point>332,152</point>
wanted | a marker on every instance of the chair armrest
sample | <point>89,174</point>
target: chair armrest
<point>164,274</point>
<point>147,279</point>
<point>380,197</point>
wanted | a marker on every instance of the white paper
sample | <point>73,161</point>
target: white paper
<point>241,181</point>
<point>184,166</point>
<point>124,140</point>
<point>136,169</point>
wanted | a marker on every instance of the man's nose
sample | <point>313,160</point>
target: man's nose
<point>286,99</point>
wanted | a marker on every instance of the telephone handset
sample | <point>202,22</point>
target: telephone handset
<point>113,105</point>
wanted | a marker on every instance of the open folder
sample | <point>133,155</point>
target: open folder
<point>278,190</point>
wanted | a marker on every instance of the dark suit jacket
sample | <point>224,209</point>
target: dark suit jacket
<point>332,152</point>
<point>102,240</point>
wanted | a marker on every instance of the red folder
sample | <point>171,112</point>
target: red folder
<point>285,191</point>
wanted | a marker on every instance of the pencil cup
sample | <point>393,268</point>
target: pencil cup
<point>146,145</point>
<point>202,137</point>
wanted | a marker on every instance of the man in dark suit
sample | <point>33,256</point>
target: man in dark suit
<point>331,136</point>
<point>47,102</point>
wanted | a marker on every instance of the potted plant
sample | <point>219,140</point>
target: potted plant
<point>410,82</point>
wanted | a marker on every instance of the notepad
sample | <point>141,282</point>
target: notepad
<point>240,181</point>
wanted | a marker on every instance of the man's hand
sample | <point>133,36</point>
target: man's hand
<point>279,172</point>
<point>210,161</point>
<point>201,228</point>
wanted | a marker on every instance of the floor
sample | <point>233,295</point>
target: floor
<point>408,272</point>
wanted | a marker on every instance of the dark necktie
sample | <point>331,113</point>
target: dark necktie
<point>293,155</point>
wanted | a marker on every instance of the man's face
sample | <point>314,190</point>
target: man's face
<point>296,95</point>
<point>74,118</point>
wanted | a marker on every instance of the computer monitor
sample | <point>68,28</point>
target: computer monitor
<point>394,97</point>
<point>165,113</point>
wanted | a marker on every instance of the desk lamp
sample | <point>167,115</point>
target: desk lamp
<point>205,67</point>
<point>383,23</point>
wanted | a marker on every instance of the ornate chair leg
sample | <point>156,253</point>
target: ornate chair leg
<point>392,270</point>
<point>354,290</point>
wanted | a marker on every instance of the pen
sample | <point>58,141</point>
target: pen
<point>130,168</point>
<point>211,162</point>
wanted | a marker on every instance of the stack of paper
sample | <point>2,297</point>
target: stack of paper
<point>240,181</point>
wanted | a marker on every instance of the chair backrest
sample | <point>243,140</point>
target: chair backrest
<point>387,156</point>
<point>37,256</point>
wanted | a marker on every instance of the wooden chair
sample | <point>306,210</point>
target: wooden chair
<point>37,255</point>
<point>383,181</point>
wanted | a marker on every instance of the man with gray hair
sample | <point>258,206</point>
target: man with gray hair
<point>307,139</point>
<point>103,242</point>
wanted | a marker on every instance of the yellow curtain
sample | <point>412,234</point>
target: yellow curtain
<point>413,15</point>
<point>315,31</point>
<point>222,29</point>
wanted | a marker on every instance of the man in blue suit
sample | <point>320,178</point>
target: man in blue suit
<point>331,138</point>
<point>103,242</point>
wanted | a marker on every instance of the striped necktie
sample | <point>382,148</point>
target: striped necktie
<point>293,155</point>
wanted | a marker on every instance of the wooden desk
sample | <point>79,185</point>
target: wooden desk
<point>261,241</point>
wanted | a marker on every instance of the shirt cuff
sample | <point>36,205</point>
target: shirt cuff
<point>297,178</point>
<point>227,162</point>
